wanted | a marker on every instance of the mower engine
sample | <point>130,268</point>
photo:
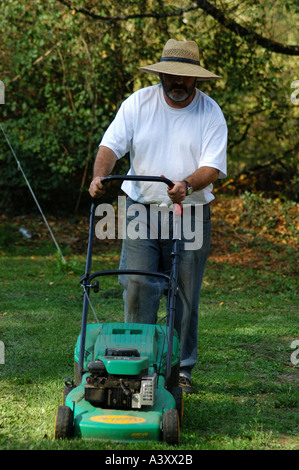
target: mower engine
<point>106,389</point>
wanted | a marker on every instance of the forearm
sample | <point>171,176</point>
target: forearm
<point>104,162</point>
<point>103,165</point>
<point>202,177</point>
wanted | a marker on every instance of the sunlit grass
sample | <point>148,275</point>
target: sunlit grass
<point>247,394</point>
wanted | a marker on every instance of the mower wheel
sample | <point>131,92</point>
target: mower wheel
<point>171,427</point>
<point>64,423</point>
<point>177,394</point>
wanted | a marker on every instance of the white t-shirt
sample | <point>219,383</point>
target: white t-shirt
<point>173,142</point>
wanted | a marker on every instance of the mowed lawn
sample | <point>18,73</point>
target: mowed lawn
<point>247,374</point>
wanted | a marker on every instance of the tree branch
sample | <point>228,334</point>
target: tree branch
<point>244,32</point>
<point>211,10</point>
<point>178,12</point>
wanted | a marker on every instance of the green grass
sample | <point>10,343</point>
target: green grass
<point>247,388</point>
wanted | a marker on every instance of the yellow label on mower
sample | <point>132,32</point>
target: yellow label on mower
<point>117,419</point>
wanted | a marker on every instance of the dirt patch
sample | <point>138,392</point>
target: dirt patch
<point>260,236</point>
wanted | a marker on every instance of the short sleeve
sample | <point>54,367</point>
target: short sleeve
<point>119,135</point>
<point>214,149</point>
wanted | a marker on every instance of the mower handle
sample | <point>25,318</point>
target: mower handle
<point>178,210</point>
<point>159,179</point>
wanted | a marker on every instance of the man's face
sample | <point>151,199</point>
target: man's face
<point>177,88</point>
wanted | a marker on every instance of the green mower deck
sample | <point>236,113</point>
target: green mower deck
<point>123,395</point>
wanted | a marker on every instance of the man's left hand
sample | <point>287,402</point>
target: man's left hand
<point>178,192</point>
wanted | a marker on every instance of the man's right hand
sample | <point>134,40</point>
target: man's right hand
<point>96,189</point>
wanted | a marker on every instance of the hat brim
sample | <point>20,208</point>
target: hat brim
<point>178,68</point>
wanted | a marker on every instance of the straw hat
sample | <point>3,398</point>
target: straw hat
<point>180,58</point>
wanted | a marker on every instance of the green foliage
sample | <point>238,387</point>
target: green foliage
<point>66,73</point>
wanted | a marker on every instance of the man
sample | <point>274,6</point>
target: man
<point>171,129</point>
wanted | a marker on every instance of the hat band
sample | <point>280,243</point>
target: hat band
<point>180,59</point>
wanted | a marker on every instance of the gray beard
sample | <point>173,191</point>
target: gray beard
<point>183,96</point>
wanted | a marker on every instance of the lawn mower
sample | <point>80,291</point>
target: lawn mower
<point>126,374</point>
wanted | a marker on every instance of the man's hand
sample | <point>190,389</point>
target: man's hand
<point>178,192</point>
<point>96,189</point>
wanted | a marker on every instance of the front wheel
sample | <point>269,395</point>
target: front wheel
<point>64,425</point>
<point>171,427</point>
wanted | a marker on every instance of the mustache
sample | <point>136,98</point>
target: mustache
<point>177,86</point>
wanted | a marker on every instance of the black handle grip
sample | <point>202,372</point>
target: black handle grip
<point>157,179</point>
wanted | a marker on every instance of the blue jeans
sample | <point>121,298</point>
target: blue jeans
<point>142,293</point>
